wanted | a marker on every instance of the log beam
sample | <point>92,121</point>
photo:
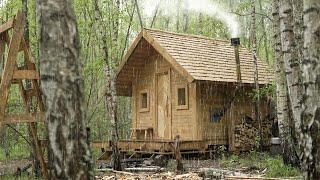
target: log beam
<point>26,74</point>
<point>6,26</point>
<point>23,118</point>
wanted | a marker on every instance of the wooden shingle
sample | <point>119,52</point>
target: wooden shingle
<point>194,57</point>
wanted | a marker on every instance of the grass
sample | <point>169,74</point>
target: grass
<point>273,165</point>
<point>11,177</point>
<point>18,151</point>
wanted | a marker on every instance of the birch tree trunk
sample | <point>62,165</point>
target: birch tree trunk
<point>256,80</point>
<point>110,94</point>
<point>292,73</point>
<point>290,49</point>
<point>62,85</point>
<point>282,94</point>
<point>265,39</point>
<point>310,116</point>
<point>295,77</point>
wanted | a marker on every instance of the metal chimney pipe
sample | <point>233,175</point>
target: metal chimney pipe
<point>236,43</point>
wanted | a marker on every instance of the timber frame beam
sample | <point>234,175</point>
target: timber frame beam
<point>12,74</point>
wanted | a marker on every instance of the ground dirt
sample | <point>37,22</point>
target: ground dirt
<point>194,169</point>
<point>11,166</point>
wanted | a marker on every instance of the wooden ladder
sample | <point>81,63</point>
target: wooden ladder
<point>13,74</point>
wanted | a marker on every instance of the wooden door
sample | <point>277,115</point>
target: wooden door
<point>163,106</point>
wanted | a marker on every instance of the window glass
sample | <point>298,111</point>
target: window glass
<point>182,96</point>
<point>216,114</point>
<point>144,100</point>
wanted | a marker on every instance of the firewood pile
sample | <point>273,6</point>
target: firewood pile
<point>266,133</point>
<point>247,131</point>
<point>245,136</point>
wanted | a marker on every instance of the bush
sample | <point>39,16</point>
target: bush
<point>276,168</point>
<point>273,165</point>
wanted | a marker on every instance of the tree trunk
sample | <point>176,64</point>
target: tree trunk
<point>62,85</point>
<point>256,80</point>
<point>36,163</point>
<point>310,116</point>
<point>295,81</point>
<point>185,17</point>
<point>200,25</point>
<point>290,57</point>
<point>265,39</point>
<point>283,111</point>
<point>110,94</point>
<point>138,12</point>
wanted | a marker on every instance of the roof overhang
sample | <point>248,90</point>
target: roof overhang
<point>132,62</point>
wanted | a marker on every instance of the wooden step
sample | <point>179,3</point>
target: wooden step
<point>23,118</point>
<point>26,74</point>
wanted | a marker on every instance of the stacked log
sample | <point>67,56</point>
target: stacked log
<point>266,133</point>
<point>245,136</point>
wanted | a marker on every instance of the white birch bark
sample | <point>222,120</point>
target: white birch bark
<point>310,116</point>
<point>62,85</point>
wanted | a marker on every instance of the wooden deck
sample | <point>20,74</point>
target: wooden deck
<point>157,146</point>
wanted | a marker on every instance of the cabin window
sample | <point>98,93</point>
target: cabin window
<point>144,101</point>
<point>182,97</point>
<point>216,114</point>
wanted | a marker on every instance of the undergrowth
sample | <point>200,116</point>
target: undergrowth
<point>17,151</point>
<point>273,166</point>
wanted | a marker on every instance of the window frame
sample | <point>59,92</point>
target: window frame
<point>186,106</point>
<point>141,109</point>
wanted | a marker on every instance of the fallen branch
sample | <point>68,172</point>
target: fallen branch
<point>114,171</point>
<point>145,169</point>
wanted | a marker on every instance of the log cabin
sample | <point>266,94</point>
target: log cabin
<point>189,87</point>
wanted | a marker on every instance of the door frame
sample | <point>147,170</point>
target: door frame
<point>157,74</point>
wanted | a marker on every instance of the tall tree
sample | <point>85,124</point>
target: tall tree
<point>294,75</point>
<point>283,109</point>
<point>185,17</point>
<point>291,69</point>
<point>255,62</point>
<point>264,32</point>
<point>110,94</point>
<point>310,127</point>
<point>62,85</point>
<point>36,163</point>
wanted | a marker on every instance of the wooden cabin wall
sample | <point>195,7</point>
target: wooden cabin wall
<point>182,121</point>
<point>243,106</point>
<point>213,96</point>
<point>144,81</point>
<point>216,96</point>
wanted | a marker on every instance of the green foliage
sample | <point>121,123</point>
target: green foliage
<point>265,91</point>
<point>12,177</point>
<point>273,165</point>
<point>92,52</point>
<point>276,168</point>
<point>17,151</point>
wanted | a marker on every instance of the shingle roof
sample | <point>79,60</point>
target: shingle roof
<point>208,59</point>
<point>194,57</point>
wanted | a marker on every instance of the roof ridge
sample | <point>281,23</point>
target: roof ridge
<point>187,35</point>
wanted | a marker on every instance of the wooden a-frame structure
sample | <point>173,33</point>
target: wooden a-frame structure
<point>13,74</point>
